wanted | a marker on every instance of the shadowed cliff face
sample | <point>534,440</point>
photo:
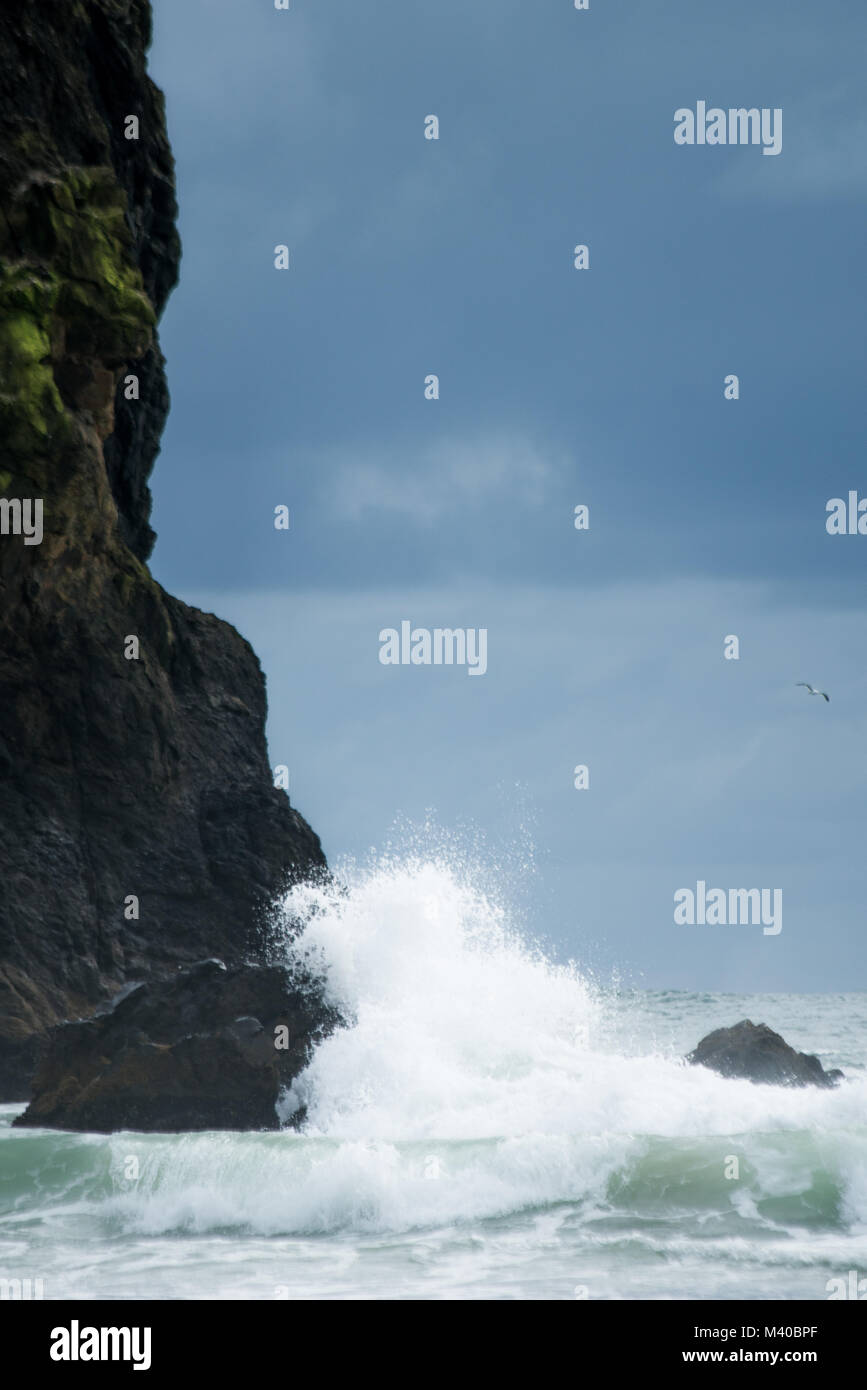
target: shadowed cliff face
<point>118,777</point>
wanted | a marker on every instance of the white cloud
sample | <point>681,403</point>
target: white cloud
<point>446,476</point>
<point>824,155</point>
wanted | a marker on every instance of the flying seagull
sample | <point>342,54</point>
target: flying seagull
<point>814,692</point>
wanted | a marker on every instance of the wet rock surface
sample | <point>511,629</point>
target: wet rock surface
<point>754,1052</point>
<point>212,1048</point>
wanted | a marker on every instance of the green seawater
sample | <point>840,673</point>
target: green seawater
<point>591,1166</point>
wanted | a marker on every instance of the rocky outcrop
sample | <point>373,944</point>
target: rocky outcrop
<point>754,1052</point>
<point>139,826</point>
<point>210,1049</point>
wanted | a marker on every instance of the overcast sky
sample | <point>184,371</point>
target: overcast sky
<point>558,387</point>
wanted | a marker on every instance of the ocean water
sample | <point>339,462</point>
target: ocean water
<point>492,1126</point>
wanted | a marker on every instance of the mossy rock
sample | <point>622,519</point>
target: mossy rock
<point>31,410</point>
<point>75,293</point>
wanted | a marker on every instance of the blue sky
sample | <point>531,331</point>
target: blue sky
<point>558,387</point>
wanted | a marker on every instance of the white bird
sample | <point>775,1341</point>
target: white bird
<point>814,692</point>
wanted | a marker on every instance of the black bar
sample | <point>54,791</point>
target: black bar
<point>233,1338</point>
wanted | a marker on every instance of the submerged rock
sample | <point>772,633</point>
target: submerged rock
<point>198,1051</point>
<point>754,1052</point>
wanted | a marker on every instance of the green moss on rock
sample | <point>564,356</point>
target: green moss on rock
<point>75,294</point>
<point>31,410</point>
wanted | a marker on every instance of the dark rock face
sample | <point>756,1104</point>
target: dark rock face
<point>70,76</point>
<point>198,1051</point>
<point>756,1053</point>
<point>118,777</point>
